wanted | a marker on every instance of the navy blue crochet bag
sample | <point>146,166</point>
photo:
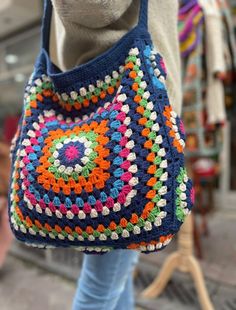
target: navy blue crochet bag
<point>97,162</point>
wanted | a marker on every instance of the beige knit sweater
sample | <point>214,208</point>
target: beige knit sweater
<point>83,29</point>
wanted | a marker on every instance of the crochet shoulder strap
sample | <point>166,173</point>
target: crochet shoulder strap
<point>142,21</point>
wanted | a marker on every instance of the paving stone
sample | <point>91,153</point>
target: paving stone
<point>225,298</point>
<point>24,287</point>
<point>163,304</point>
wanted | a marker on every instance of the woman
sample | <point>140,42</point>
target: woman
<point>81,31</point>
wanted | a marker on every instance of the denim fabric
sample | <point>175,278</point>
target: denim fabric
<point>106,282</point>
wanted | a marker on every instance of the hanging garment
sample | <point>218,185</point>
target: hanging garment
<point>190,19</point>
<point>215,62</point>
<point>200,140</point>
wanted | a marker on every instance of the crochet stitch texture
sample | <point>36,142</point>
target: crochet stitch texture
<point>98,160</point>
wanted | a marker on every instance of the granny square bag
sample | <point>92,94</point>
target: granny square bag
<point>98,162</point>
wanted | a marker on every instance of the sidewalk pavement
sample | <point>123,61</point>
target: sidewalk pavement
<point>24,286</point>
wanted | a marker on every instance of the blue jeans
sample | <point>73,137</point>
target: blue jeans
<point>106,281</point>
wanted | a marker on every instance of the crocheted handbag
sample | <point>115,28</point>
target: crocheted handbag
<point>98,160</point>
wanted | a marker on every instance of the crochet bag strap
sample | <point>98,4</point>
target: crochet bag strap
<point>47,16</point>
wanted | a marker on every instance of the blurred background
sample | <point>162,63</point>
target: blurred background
<point>46,279</point>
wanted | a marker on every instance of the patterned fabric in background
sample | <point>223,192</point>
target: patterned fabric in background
<point>190,20</point>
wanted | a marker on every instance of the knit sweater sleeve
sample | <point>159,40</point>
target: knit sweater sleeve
<point>81,30</point>
<point>91,13</point>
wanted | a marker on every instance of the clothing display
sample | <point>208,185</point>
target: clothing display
<point>98,161</point>
<point>202,50</point>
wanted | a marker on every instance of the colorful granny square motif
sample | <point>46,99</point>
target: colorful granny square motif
<point>75,159</point>
<point>101,166</point>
